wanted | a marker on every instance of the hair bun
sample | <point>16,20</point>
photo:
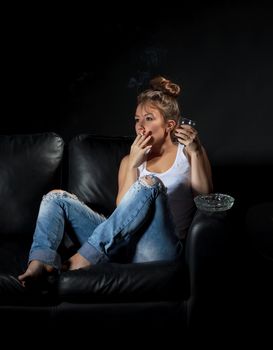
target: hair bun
<point>166,86</point>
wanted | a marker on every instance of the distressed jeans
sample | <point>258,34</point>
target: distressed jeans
<point>141,223</point>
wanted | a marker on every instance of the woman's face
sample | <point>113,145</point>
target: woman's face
<point>148,120</point>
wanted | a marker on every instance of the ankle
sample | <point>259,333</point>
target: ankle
<point>37,265</point>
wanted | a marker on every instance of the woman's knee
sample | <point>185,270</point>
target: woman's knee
<point>53,194</point>
<point>56,191</point>
<point>151,181</point>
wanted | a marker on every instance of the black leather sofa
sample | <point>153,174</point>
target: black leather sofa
<point>159,298</point>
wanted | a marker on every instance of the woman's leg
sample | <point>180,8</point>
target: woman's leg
<point>158,241</point>
<point>139,208</point>
<point>57,207</point>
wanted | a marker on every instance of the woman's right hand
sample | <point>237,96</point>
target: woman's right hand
<point>139,150</point>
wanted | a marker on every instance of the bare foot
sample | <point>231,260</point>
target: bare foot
<point>35,270</point>
<point>77,261</point>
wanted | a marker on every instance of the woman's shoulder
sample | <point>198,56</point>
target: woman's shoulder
<point>124,161</point>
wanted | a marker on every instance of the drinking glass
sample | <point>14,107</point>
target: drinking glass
<point>187,121</point>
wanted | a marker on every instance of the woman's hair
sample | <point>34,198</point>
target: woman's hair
<point>163,96</point>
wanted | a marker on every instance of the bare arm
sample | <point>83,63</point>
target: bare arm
<point>128,167</point>
<point>201,177</point>
<point>126,177</point>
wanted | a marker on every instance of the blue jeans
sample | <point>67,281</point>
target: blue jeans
<point>141,225</point>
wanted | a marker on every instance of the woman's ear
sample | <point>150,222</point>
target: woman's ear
<point>171,124</point>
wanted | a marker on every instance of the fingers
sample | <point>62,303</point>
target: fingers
<point>141,140</point>
<point>186,129</point>
<point>186,134</point>
<point>148,149</point>
<point>136,139</point>
<point>144,140</point>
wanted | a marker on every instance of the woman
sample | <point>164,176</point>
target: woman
<point>157,181</point>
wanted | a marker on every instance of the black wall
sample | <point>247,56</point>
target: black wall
<point>79,70</point>
<point>64,72</point>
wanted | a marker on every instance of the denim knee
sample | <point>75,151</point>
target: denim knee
<point>56,194</point>
<point>152,181</point>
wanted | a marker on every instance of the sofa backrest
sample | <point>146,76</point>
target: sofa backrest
<point>93,163</point>
<point>29,167</point>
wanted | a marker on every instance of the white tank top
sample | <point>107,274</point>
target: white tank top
<point>180,197</point>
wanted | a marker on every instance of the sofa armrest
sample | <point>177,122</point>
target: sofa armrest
<point>207,252</point>
<point>155,280</point>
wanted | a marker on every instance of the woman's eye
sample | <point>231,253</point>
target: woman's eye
<point>149,118</point>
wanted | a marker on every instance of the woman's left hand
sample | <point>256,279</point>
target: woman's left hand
<point>188,136</point>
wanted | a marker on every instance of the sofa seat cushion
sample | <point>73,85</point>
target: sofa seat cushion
<point>159,280</point>
<point>12,292</point>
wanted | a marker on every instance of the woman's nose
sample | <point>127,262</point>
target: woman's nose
<point>141,130</point>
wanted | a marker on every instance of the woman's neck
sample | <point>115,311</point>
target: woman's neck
<point>160,149</point>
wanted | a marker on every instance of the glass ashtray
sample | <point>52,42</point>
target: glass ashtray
<point>214,202</point>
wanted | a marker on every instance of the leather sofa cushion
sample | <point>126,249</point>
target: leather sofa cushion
<point>29,167</point>
<point>93,169</point>
<point>107,282</point>
<point>160,280</point>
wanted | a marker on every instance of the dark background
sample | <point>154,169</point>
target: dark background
<point>78,70</point>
